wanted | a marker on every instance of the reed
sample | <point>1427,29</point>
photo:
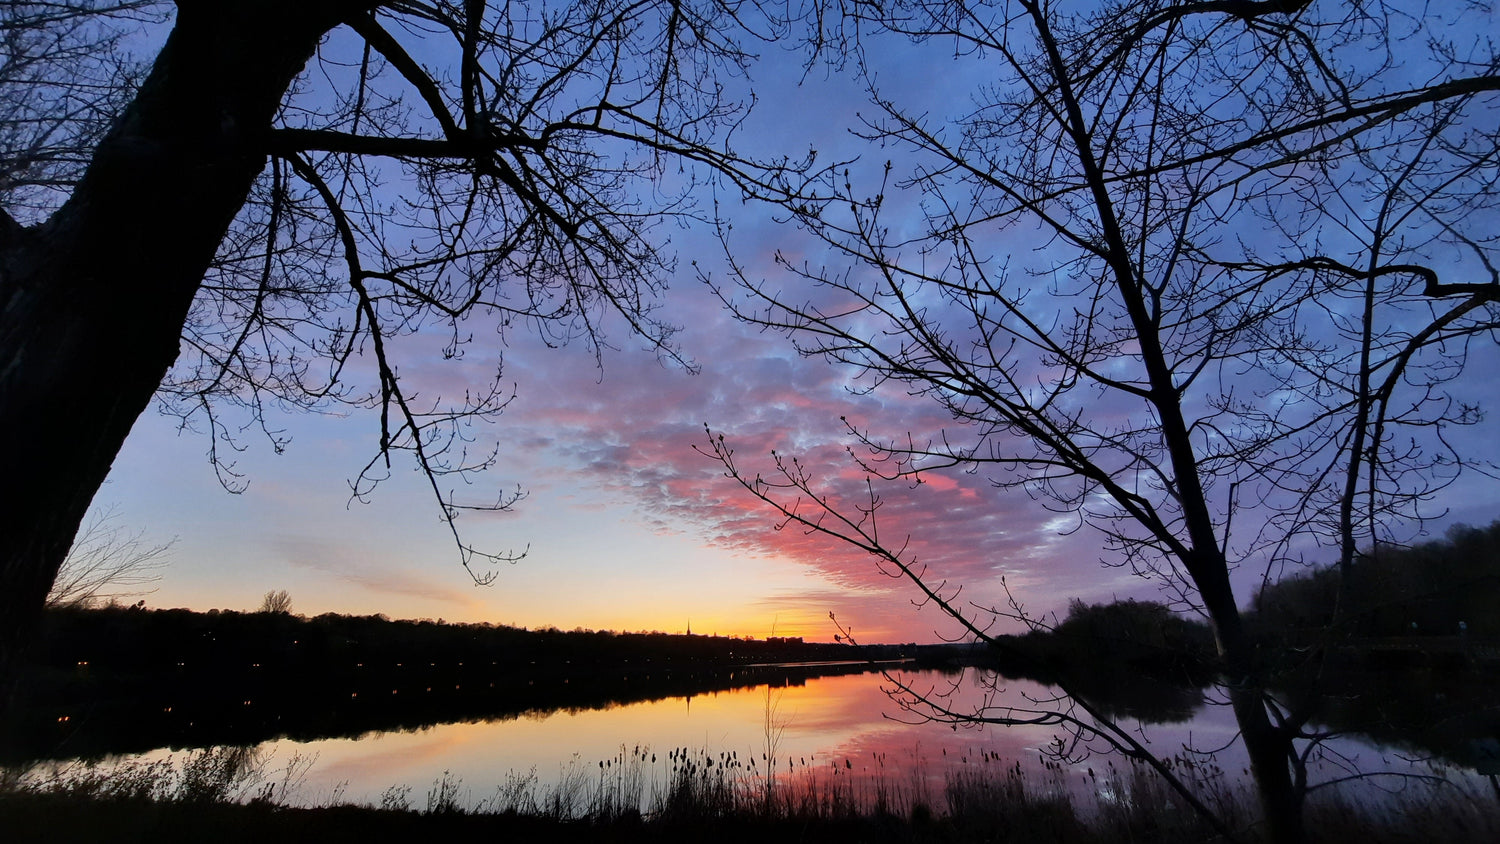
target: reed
<point>703,795</point>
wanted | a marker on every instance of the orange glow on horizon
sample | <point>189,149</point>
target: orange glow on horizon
<point>785,614</point>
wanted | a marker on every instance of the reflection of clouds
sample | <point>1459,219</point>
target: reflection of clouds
<point>879,747</point>
<point>907,755</point>
<point>385,756</point>
<point>829,706</point>
<point>838,731</point>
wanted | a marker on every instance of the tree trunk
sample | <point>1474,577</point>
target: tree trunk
<point>1270,766</point>
<point>93,301</point>
<point>1269,747</point>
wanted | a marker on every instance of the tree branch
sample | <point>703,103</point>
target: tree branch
<point>384,43</point>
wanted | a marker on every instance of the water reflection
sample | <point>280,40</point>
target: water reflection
<point>826,727</point>
<point>182,713</point>
<point>1417,711</point>
<point>846,728</point>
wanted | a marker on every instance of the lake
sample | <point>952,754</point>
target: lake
<point>843,731</point>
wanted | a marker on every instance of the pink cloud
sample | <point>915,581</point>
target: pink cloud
<point>631,429</point>
<point>633,435</point>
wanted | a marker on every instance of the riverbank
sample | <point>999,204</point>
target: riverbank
<point>216,795</point>
<point>63,818</point>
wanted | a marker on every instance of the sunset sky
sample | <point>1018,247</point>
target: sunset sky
<point>628,527</point>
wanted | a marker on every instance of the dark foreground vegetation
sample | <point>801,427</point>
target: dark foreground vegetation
<point>222,795</point>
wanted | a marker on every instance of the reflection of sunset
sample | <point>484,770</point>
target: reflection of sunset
<point>844,723</point>
<point>482,754</point>
<point>837,738</point>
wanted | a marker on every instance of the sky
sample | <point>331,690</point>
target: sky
<point>626,525</point>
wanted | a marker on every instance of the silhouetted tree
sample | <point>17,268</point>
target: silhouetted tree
<point>107,562</point>
<point>1199,273</point>
<point>271,210</point>
<point>276,601</point>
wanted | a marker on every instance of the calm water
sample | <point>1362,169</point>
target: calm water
<point>843,729</point>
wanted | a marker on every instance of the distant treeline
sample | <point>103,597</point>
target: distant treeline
<point>1127,658</point>
<point>1135,636</point>
<point>1432,605</point>
<point>138,640</point>
<point>119,679</point>
<point>1447,587</point>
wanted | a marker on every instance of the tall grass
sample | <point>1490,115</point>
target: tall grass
<point>985,798</point>
<point>216,775</point>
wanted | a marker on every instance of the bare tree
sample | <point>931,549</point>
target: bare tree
<point>106,563</point>
<point>1203,274</point>
<point>290,199</point>
<point>277,601</point>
